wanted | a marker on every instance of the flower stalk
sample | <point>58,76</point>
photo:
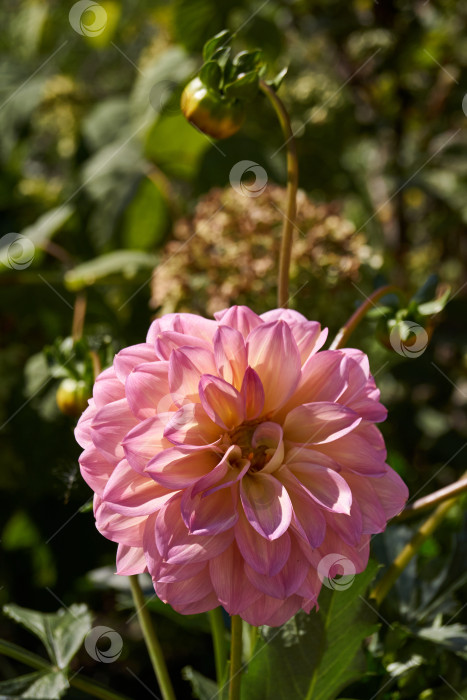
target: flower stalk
<point>292,186</point>
<point>433,499</point>
<point>219,642</point>
<point>236,658</point>
<point>152,643</point>
<point>346,331</point>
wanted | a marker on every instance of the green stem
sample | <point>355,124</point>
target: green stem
<point>433,499</point>
<point>253,638</point>
<point>292,186</point>
<point>236,658</point>
<point>345,332</point>
<point>219,643</point>
<point>385,584</point>
<point>33,661</point>
<point>152,643</point>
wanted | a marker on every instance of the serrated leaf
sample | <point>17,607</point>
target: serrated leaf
<point>211,75</point>
<point>213,44</point>
<point>41,684</point>
<point>245,87</point>
<point>313,656</point>
<point>122,262</point>
<point>62,633</point>
<point>202,688</point>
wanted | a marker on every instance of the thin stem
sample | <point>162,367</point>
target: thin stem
<point>34,661</point>
<point>79,314</point>
<point>236,658</point>
<point>219,643</point>
<point>292,186</point>
<point>253,638</point>
<point>345,332</point>
<point>410,550</point>
<point>433,499</point>
<point>152,643</point>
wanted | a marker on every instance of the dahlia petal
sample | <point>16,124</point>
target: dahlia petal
<point>221,401</point>
<point>333,544</point>
<point>83,428</point>
<point>233,589</point>
<point>270,435</point>
<point>264,556</point>
<point>272,346</point>
<point>179,467</point>
<point>128,358</point>
<point>169,573</point>
<point>266,504</point>
<point>130,560</point>
<point>187,591</point>
<point>373,514</point>
<point>129,493</point>
<point>188,324</point>
<point>95,469</point>
<point>271,611</point>
<point>107,388</point>
<point>110,425</point>
<point>241,318</point>
<point>320,422</point>
<point>168,341</point>
<point>348,527</point>
<point>356,454</point>
<point>208,514</point>
<point>252,392</point>
<point>392,492</point>
<point>145,441</point>
<point>289,578</point>
<point>310,586</point>
<point>230,469</point>
<point>119,528</point>
<point>290,316</point>
<point>177,546</point>
<point>186,365</point>
<point>209,602</point>
<point>191,426</point>
<point>230,355</point>
<point>307,518</point>
<point>323,378</point>
<point>147,390</point>
<point>325,486</point>
<point>151,553</point>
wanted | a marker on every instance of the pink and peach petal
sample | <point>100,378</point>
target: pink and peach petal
<point>325,486</point>
<point>95,469</point>
<point>230,355</point>
<point>130,357</point>
<point>233,589</point>
<point>130,560</point>
<point>129,493</point>
<point>109,427</point>
<point>190,425</point>
<point>180,467</point>
<point>145,441</point>
<point>107,388</point>
<point>266,504</point>
<point>241,318</point>
<point>264,556</point>
<point>252,392</point>
<point>119,528</point>
<point>186,365</point>
<point>222,402</point>
<point>319,423</point>
<point>147,390</point>
<point>209,514</point>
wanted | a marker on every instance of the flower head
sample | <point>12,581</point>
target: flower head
<point>231,457</point>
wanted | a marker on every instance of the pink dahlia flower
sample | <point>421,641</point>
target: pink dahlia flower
<point>230,458</point>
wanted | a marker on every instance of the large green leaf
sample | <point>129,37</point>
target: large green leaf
<point>124,263</point>
<point>62,633</point>
<point>312,656</point>
<point>41,684</point>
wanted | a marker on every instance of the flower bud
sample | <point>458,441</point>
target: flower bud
<point>72,397</point>
<point>211,112</point>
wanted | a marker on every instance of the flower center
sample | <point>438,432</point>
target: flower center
<point>258,449</point>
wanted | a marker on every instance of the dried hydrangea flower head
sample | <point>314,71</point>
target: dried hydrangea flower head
<point>230,457</point>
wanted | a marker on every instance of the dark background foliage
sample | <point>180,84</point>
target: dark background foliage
<point>92,141</point>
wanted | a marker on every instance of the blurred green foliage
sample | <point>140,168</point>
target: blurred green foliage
<point>97,165</point>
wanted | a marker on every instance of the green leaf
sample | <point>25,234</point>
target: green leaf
<point>427,291</point>
<point>313,656</point>
<point>430,308</point>
<point>41,684</point>
<point>248,60</point>
<point>245,87</point>
<point>146,218</point>
<point>47,225</point>
<point>202,687</point>
<point>276,82</point>
<point>62,633</point>
<point>125,263</point>
<point>215,43</point>
<point>452,637</point>
<point>211,75</point>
